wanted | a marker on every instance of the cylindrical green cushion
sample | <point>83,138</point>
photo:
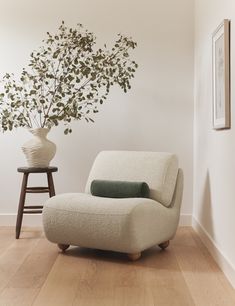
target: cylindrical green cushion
<point>119,189</point>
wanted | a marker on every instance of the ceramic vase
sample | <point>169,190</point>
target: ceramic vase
<point>39,151</point>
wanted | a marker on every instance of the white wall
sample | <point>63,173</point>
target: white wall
<point>157,114</point>
<point>214,163</point>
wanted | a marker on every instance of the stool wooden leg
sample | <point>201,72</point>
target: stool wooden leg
<point>51,184</point>
<point>21,205</point>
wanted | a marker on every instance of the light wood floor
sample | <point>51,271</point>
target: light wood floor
<point>34,272</point>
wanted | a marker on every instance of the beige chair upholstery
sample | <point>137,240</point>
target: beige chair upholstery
<point>126,225</point>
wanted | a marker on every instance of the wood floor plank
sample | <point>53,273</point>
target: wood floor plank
<point>12,258</point>
<point>106,278</point>
<point>7,237</point>
<point>162,275</point>
<point>30,276</point>
<point>32,272</point>
<point>109,274</point>
<point>18,296</point>
<point>61,284</point>
<point>201,274</point>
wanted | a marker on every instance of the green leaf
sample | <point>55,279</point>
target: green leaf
<point>70,78</point>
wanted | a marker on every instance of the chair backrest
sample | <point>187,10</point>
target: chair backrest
<point>158,169</point>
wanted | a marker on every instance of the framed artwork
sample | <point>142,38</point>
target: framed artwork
<point>221,76</point>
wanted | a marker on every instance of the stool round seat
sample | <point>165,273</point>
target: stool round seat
<point>37,170</point>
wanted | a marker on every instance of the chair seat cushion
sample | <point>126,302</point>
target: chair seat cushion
<point>125,225</point>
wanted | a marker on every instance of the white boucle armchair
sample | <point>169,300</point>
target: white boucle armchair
<point>128,225</point>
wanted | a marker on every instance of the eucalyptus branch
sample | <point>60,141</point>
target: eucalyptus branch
<point>27,118</point>
<point>66,79</point>
<point>42,96</point>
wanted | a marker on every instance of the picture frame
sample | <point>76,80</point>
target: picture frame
<point>221,76</point>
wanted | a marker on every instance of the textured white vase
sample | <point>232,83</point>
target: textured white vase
<point>39,151</point>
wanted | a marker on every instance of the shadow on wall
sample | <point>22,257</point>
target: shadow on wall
<point>206,213</point>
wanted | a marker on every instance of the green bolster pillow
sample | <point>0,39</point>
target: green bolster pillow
<point>119,189</point>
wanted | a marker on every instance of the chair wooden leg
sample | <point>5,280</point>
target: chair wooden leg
<point>134,256</point>
<point>21,205</point>
<point>164,244</point>
<point>63,247</point>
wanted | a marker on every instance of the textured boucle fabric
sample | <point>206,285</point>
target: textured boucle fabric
<point>126,225</point>
<point>157,169</point>
<point>119,189</point>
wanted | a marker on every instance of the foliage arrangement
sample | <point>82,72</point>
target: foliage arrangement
<point>67,78</point>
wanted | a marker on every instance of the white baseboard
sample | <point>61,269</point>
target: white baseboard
<point>36,220</point>
<point>223,262</point>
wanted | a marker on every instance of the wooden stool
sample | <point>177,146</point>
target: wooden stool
<point>22,209</point>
